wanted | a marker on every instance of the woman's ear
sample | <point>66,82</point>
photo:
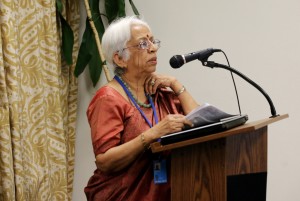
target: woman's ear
<point>118,59</point>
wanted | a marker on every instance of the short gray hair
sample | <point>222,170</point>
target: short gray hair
<point>115,37</point>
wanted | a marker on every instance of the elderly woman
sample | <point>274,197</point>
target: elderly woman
<point>130,112</point>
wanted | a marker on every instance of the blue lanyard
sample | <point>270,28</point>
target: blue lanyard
<point>136,105</point>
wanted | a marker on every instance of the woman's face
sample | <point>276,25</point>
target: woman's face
<point>141,61</point>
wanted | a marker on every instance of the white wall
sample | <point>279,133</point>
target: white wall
<point>261,40</point>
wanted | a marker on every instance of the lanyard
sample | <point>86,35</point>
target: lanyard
<point>136,105</point>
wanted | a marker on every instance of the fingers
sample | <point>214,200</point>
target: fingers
<point>155,81</point>
<point>182,121</point>
<point>176,123</point>
<point>187,122</point>
<point>151,84</point>
<point>170,124</point>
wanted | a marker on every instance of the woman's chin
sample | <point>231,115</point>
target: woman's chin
<point>153,67</point>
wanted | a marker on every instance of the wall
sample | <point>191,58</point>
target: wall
<point>261,40</point>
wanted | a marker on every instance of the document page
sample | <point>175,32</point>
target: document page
<point>206,114</point>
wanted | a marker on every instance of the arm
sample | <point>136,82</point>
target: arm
<point>119,157</point>
<point>106,118</point>
<point>187,101</point>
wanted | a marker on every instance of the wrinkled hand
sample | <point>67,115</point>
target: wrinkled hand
<point>170,124</point>
<point>155,81</point>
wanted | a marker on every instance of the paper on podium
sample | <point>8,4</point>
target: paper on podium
<point>206,114</point>
<point>206,119</point>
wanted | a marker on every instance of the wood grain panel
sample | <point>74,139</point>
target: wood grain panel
<point>198,172</point>
<point>247,153</point>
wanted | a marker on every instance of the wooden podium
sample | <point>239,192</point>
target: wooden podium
<point>230,165</point>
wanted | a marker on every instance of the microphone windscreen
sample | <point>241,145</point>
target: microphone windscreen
<point>176,61</point>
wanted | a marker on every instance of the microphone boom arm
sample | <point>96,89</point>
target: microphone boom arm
<point>212,64</point>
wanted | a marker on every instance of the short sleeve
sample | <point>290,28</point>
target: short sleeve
<point>106,115</point>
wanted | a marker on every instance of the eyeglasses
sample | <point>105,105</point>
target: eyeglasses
<point>145,44</point>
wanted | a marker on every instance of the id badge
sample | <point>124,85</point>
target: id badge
<point>160,171</point>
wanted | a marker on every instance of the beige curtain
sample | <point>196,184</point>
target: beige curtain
<point>38,102</point>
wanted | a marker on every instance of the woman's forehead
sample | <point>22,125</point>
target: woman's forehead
<point>140,31</point>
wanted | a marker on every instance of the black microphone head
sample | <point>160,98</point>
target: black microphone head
<point>176,61</point>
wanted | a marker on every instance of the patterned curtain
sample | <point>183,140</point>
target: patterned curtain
<point>38,101</point>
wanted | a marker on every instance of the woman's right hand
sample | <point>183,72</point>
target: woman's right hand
<point>170,124</point>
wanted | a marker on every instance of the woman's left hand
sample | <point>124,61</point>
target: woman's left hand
<point>155,81</point>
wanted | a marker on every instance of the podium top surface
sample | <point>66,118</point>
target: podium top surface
<point>248,127</point>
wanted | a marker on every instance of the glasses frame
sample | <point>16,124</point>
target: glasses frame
<point>145,44</point>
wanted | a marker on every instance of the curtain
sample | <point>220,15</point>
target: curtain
<point>38,101</point>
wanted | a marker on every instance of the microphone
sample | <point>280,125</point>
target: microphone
<point>178,60</point>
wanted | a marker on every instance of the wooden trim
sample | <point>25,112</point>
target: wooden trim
<point>248,127</point>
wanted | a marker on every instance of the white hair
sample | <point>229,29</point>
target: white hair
<point>116,36</point>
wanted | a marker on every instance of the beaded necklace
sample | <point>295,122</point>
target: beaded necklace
<point>136,105</point>
<point>138,102</point>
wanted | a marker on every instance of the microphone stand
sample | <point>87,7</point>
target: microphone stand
<point>212,64</point>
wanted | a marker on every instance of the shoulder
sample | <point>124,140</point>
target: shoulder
<point>105,92</point>
<point>106,98</point>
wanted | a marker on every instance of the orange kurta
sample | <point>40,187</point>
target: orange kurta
<point>113,121</point>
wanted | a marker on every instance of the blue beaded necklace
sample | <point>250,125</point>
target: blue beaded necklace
<point>133,99</point>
